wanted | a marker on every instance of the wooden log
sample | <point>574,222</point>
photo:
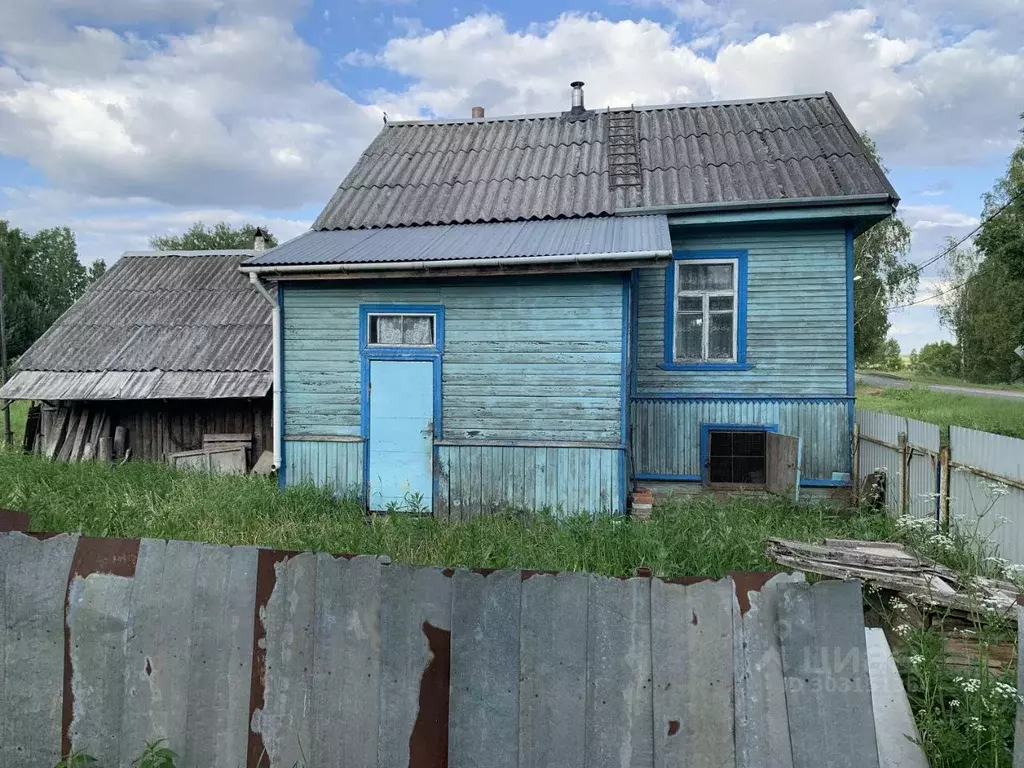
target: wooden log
<point>120,443</point>
<point>104,449</point>
<point>71,434</point>
<point>81,435</point>
<point>55,437</point>
<point>88,452</point>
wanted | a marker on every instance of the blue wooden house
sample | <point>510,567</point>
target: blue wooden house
<point>543,311</point>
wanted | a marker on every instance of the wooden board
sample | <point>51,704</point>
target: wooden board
<point>782,453</point>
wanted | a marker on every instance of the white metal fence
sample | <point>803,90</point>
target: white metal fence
<point>975,481</point>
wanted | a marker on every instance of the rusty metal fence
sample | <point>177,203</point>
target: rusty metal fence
<point>976,481</point>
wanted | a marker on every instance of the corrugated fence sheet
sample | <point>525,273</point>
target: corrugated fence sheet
<point>475,479</point>
<point>237,656</point>
<point>666,433</point>
<point>879,450</point>
<point>996,502</point>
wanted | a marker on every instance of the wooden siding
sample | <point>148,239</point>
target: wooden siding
<point>666,433</point>
<point>796,315</point>
<point>326,463</point>
<point>488,479</point>
<point>524,359</point>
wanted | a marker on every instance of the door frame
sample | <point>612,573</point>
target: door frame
<point>367,353</point>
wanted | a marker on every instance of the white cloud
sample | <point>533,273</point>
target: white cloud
<point>229,114</point>
<point>106,227</point>
<point>925,96</point>
<point>921,217</point>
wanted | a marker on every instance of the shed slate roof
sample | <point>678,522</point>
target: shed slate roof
<point>552,166</point>
<point>156,325</point>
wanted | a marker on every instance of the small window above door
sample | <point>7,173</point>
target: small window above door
<point>395,330</point>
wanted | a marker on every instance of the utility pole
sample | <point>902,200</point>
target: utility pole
<point>8,434</point>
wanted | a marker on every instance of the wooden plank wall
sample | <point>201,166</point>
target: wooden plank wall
<point>158,428</point>
<point>796,315</point>
<point>244,656</point>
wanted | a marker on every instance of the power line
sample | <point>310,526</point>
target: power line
<point>952,248</point>
<point>970,234</point>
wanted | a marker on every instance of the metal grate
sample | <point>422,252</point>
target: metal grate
<point>737,457</point>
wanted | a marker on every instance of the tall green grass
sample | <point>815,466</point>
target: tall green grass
<point>686,538</point>
<point>1003,416</point>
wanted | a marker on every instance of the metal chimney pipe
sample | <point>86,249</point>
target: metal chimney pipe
<point>577,97</point>
<point>478,113</point>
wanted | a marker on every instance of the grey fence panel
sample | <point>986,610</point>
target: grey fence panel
<point>878,449</point>
<point>986,488</point>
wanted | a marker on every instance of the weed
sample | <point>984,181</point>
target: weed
<point>77,759</point>
<point>155,755</point>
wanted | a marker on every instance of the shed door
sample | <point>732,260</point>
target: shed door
<point>401,435</point>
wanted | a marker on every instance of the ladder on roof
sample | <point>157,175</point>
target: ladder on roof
<point>623,150</point>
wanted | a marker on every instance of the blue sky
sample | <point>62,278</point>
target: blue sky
<point>129,118</point>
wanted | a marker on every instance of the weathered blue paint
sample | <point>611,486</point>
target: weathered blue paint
<point>851,380</point>
<point>624,462</point>
<point>476,479</point>
<point>705,438</point>
<point>740,364</point>
<point>666,434</point>
<point>327,463</point>
<point>737,396</point>
<point>823,483</point>
<point>796,321</point>
<point>524,358</point>
<point>401,434</point>
<point>537,360</point>
<point>667,478</point>
<point>282,471</point>
<point>864,214</point>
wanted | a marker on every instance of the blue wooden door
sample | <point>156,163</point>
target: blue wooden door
<point>401,434</point>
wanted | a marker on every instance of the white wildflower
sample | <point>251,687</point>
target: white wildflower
<point>976,725</point>
<point>897,605</point>
<point>971,686</point>
<point>916,659</point>
<point>954,703</point>
<point>902,630</point>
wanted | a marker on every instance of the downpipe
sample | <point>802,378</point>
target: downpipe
<point>275,323</point>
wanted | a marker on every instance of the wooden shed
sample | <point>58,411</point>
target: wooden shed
<point>170,345</point>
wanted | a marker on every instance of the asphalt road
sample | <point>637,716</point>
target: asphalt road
<point>886,381</point>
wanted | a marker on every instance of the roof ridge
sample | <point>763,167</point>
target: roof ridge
<point>186,253</point>
<point>603,110</point>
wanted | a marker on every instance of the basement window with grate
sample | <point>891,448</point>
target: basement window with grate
<point>737,457</point>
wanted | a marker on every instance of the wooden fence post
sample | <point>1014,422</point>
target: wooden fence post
<point>944,459</point>
<point>855,466</point>
<point>901,441</point>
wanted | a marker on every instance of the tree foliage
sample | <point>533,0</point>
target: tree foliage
<point>984,307</point>
<point>884,278</point>
<point>887,357</point>
<point>938,358</point>
<point>42,278</point>
<point>200,237</point>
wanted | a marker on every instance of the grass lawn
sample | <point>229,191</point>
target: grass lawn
<point>687,538</point>
<point>989,414</point>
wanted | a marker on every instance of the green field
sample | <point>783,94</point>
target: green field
<point>1002,416</point>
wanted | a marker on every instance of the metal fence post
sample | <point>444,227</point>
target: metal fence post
<point>901,441</point>
<point>944,459</point>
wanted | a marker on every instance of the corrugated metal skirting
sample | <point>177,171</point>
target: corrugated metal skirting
<point>489,479</point>
<point>326,463</point>
<point>666,433</point>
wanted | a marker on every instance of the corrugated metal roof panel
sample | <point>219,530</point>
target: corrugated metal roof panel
<point>158,315</point>
<point>558,237</point>
<point>545,167</point>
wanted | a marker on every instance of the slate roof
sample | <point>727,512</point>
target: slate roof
<point>156,325</point>
<point>551,166</point>
<point>643,237</point>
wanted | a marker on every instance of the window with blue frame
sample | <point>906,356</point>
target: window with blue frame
<point>705,313</point>
<point>400,330</point>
